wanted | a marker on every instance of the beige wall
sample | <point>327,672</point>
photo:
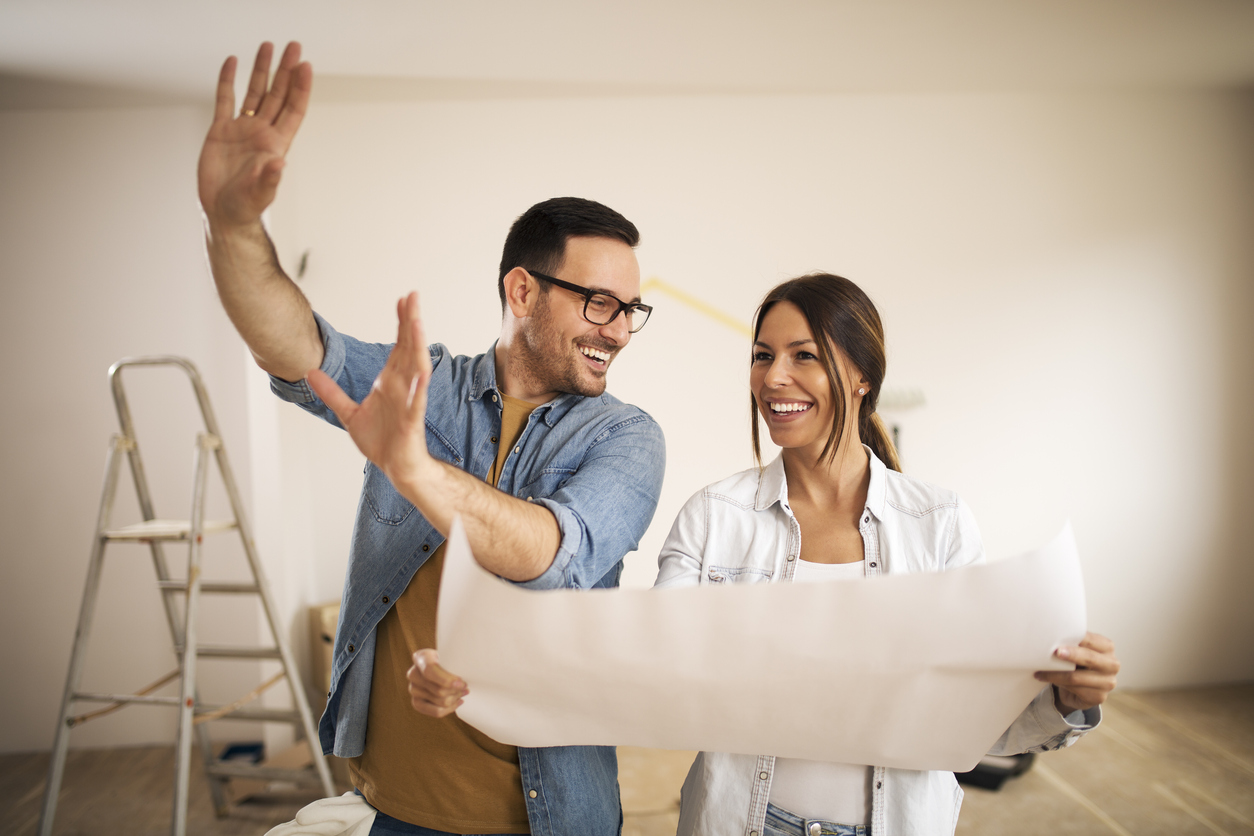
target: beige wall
<point>100,258</point>
<point>1068,279</point>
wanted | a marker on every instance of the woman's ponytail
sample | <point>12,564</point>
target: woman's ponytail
<point>876,436</point>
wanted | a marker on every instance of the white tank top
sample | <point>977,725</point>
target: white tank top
<point>837,792</point>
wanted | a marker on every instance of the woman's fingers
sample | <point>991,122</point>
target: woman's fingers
<point>1095,652</point>
<point>1094,676</point>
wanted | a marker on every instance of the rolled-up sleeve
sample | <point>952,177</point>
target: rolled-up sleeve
<point>1040,728</point>
<point>298,392</point>
<point>605,507</point>
<point>351,363</point>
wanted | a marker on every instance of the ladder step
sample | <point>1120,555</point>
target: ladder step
<point>211,586</point>
<point>125,698</point>
<point>266,715</point>
<point>262,773</point>
<point>221,651</point>
<point>166,530</point>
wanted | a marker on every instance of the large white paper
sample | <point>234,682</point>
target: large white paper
<point>920,671</point>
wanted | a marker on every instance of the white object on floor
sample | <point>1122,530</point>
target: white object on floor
<point>343,815</point>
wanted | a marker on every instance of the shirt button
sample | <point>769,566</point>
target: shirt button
<point>532,793</point>
<point>351,648</point>
<point>764,775</point>
<point>879,785</point>
<point>873,565</point>
<point>385,599</point>
<point>816,829</point>
<point>790,557</point>
<point>516,449</point>
<point>425,547</point>
<point>494,439</point>
<point>494,399</point>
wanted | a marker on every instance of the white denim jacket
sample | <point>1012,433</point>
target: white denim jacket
<point>742,530</point>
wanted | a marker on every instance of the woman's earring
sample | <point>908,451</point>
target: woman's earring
<point>861,391</point>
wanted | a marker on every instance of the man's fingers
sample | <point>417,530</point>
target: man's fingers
<point>260,76</point>
<point>277,94</point>
<point>332,395</point>
<point>419,333</point>
<point>224,103</point>
<point>433,690</point>
<point>296,102</point>
<point>427,664</point>
<point>409,348</point>
<point>415,360</point>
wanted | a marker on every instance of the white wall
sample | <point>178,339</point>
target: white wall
<point>100,258</point>
<point>1068,279</point>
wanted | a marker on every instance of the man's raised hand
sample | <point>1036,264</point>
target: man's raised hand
<point>389,426</point>
<point>243,155</point>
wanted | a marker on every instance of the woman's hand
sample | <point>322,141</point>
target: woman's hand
<point>1091,681</point>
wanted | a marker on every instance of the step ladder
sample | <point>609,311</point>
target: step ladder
<point>155,533</point>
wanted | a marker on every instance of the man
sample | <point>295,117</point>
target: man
<point>553,479</point>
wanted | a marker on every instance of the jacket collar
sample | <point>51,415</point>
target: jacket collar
<point>773,486</point>
<point>484,382</point>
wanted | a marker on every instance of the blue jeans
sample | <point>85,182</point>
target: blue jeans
<point>385,825</point>
<point>780,822</point>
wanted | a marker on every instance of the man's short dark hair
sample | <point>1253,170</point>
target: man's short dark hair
<point>537,240</point>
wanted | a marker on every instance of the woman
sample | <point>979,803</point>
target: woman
<point>837,506</point>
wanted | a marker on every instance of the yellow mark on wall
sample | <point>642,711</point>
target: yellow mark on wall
<point>697,305</point>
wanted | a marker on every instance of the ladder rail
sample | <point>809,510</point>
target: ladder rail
<point>148,512</point>
<point>297,687</point>
<point>182,625</point>
<point>82,631</point>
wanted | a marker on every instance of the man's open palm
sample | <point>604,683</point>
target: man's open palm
<point>243,156</point>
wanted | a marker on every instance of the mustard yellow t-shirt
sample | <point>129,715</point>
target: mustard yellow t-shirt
<point>436,773</point>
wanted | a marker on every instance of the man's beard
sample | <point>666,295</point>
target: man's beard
<point>552,364</point>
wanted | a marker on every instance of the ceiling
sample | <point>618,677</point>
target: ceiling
<point>91,52</point>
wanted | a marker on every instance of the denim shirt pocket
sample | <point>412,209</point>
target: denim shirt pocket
<point>549,481</point>
<point>386,504</point>
<point>739,574</point>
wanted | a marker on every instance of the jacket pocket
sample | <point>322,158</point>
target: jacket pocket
<point>739,574</point>
<point>386,505</point>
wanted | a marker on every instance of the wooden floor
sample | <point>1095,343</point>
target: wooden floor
<point>1164,762</point>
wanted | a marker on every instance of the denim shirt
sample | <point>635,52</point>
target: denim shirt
<point>596,463</point>
<point>742,530</point>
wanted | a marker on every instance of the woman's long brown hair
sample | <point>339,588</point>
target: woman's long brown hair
<point>840,315</point>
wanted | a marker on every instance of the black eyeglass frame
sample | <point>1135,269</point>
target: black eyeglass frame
<point>625,308</point>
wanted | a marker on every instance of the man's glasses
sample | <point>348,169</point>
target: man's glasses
<point>601,308</point>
